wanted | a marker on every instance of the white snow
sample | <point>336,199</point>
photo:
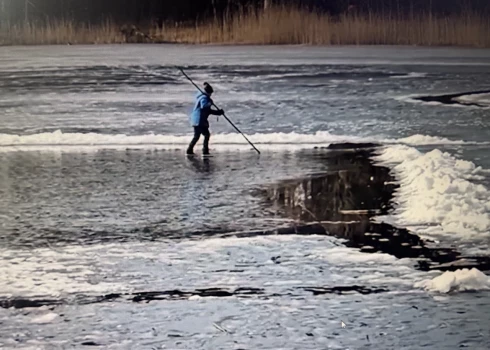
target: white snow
<point>457,281</point>
<point>46,318</point>
<point>437,192</point>
<point>419,140</point>
<point>481,99</point>
<point>58,140</point>
<point>222,141</point>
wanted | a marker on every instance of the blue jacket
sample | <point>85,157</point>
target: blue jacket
<point>201,111</point>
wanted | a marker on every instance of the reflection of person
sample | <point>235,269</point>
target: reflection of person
<point>201,165</point>
<point>199,118</point>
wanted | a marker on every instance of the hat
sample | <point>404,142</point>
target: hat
<point>208,88</point>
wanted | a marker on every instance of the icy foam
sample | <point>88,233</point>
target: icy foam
<point>88,141</point>
<point>419,140</point>
<point>457,281</point>
<point>437,192</point>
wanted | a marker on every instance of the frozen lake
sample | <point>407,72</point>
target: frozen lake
<point>111,238</point>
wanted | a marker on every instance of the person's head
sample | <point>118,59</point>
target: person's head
<point>208,89</point>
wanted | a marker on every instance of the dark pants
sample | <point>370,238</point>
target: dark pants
<point>198,131</point>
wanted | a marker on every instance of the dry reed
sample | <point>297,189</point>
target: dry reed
<point>60,33</point>
<point>278,25</point>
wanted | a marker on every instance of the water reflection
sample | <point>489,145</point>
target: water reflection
<point>201,164</point>
<point>353,189</point>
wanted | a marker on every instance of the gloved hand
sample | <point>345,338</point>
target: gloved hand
<point>221,112</point>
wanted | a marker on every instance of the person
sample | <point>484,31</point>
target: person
<point>199,118</point>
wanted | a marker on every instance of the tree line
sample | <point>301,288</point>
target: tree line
<point>145,11</point>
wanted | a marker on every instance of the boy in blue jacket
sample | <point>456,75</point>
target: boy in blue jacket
<point>199,118</point>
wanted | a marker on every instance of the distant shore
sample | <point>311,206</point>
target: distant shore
<point>274,27</point>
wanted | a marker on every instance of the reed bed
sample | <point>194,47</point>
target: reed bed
<point>60,32</point>
<point>279,25</point>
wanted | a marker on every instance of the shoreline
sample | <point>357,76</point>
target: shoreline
<point>257,45</point>
<point>238,44</point>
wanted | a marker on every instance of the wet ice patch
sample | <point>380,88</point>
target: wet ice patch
<point>457,281</point>
<point>438,192</point>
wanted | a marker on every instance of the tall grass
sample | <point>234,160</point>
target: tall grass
<point>279,25</point>
<point>60,32</point>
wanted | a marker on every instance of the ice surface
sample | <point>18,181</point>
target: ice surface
<point>284,98</point>
<point>100,269</point>
<point>458,281</point>
<point>381,321</point>
<point>113,55</point>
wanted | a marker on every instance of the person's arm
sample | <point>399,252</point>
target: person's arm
<point>206,105</point>
<point>216,112</point>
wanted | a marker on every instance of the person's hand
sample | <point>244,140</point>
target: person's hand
<point>221,112</point>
